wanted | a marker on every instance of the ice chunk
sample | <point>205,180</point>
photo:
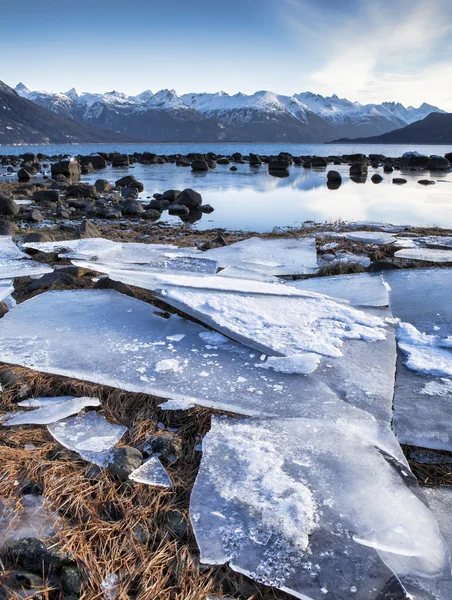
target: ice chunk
<point>344,258</point>
<point>39,402</point>
<point>293,256</point>
<point>425,254</point>
<point>15,263</point>
<point>420,298</point>
<point>109,586</point>
<point>6,288</point>
<point>379,238</point>
<point>301,363</point>
<point>292,503</point>
<point>361,289</point>
<point>421,242</point>
<point>50,413</point>
<point>275,324</point>
<point>9,251</point>
<point>92,436</point>
<point>152,472</point>
<point>242,273</point>
<point>32,518</point>
<point>159,263</point>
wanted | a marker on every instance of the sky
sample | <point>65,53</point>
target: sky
<point>365,50</point>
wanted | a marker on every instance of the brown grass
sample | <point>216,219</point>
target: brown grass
<point>114,527</point>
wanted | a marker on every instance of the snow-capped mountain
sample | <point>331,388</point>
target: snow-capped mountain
<point>263,116</point>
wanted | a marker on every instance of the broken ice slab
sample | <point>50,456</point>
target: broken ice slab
<point>379,238</point>
<point>360,289</point>
<point>14,263</point>
<point>421,242</point>
<point>92,436</point>
<point>420,298</point>
<point>152,472</point>
<point>275,323</point>
<point>50,413</point>
<point>426,254</point>
<point>6,288</point>
<point>292,503</point>
<point>30,519</point>
<point>293,256</point>
<point>9,251</point>
<point>40,402</point>
<point>343,258</point>
<point>243,273</point>
<point>111,339</point>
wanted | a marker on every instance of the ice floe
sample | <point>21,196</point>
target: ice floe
<point>152,472</point>
<point>90,435</point>
<point>50,412</point>
<point>293,503</point>
<point>425,254</point>
<point>360,289</point>
<point>111,339</point>
<point>420,298</point>
<point>294,256</point>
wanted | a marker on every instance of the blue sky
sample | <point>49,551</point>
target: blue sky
<point>366,50</point>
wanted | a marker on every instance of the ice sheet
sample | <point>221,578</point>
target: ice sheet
<point>425,254</point>
<point>368,237</point>
<point>423,400</point>
<point>295,256</point>
<point>50,413</point>
<point>152,472</point>
<point>361,289</point>
<point>109,338</point>
<point>294,503</point>
<point>275,324</point>
<point>92,436</point>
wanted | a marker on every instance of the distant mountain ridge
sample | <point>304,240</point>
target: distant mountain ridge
<point>260,117</point>
<point>435,128</point>
<point>23,122</point>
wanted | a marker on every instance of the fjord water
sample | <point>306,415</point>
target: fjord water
<point>251,199</point>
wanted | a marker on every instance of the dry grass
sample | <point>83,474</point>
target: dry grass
<point>114,527</point>
<point>340,268</point>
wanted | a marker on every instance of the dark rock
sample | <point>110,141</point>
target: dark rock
<point>130,193</point>
<point>97,161</point>
<point>178,210</point>
<point>26,174</point>
<point>8,206</point>
<point>87,229</point>
<point>177,525</point>
<point>34,215</point>
<point>171,195</point>
<point>223,161</point>
<point>38,236</point>
<point>82,190</point>
<point>218,242</point>
<point>29,157</point>
<point>27,579</point>
<point>56,279</point>
<point>129,181</point>
<point>7,227</point>
<point>62,212</point>
<point>382,265</point>
<point>360,167</point>
<point>46,195</point>
<point>132,208</point>
<point>87,169</point>
<point>159,204</point>
<point>151,214</point>
<point>426,182</point>
<point>233,168</point>
<point>102,186</point>
<point>376,178</point>
<point>255,160</point>
<point>414,161</point>
<point>166,444</point>
<point>319,162</point>
<point>110,213</point>
<point>123,461</point>
<point>279,167</point>
<point>399,180</point>
<point>33,555</point>
<point>3,309</point>
<point>333,185</point>
<point>388,169</point>
<point>199,165</point>
<point>206,208</point>
<point>120,160</point>
<point>80,204</point>
<point>105,283</point>
<point>334,176</point>
<point>69,168</point>
<point>438,163</point>
<point>71,580</point>
<point>189,198</point>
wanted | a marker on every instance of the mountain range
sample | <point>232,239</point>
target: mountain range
<point>200,117</point>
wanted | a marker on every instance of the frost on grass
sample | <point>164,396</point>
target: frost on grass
<point>111,339</point>
<point>92,436</point>
<point>420,298</point>
<point>30,519</point>
<point>50,412</point>
<point>293,502</point>
<point>425,254</point>
<point>269,256</point>
<point>361,289</point>
<point>15,263</point>
<point>152,472</point>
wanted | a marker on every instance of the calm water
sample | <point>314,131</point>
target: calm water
<point>251,199</point>
<point>219,148</point>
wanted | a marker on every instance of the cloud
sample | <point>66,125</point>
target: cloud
<point>379,50</point>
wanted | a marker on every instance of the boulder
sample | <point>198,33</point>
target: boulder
<point>151,214</point>
<point>33,215</point>
<point>105,283</point>
<point>87,229</point>
<point>25,174</point>
<point>129,181</point>
<point>123,461</point>
<point>167,445</point>
<point>223,161</point>
<point>97,161</point>
<point>178,210</point>
<point>46,196</point>
<point>82,190</point>
<point>7,227</point>
<point>171,195</point>
<point>448,156</point>
<point>62,213</point>
<point>319,161</point>
<point>359,167</point>
<point>218,242</point>
<point>255,160</point>
<point>29,157</point>
<point>388,169</point>
<point>4,308</point>
<point>129,193</point>
<point>38,236</point>
<point>279,166</point>
<point>376,178</point>
<point>199,165</point>
<point>56,279</point>
<point>159,204</point>
<point>189,198</point>
<point>120,160</point>
<point>132,208</point>
<point>206,208</point>
<point>87,169</point>
<point>69,168</point>
<point>426,182</point>
<point>438,163</point>
<point>233,168</point>
<point>399,180</point>
<point>334,176</point>
<point>8,207</point>
<point>102,186</point>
